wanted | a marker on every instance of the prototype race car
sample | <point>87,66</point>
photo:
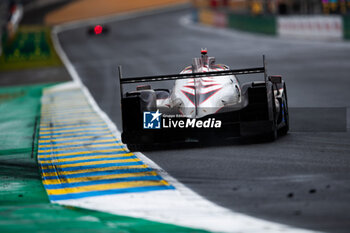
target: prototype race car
<point>206,101</point>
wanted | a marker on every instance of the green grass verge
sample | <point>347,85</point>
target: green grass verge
<point>20,111</point>
<point>24,205</point>
<point>31,48</point>
<point>257,24</point>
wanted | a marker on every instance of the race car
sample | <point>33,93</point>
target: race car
<point>206,101</point>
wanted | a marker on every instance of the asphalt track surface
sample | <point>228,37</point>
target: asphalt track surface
<point>302,179</point>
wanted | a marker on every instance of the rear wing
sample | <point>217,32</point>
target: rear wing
<point>255,70</point>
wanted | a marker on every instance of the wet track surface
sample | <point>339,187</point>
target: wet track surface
<point>302,179</point>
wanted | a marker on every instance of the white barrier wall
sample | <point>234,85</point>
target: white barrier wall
<point>220,19</point>
<point>311,27</point>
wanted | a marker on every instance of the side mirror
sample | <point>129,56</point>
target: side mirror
<point>275,79</point>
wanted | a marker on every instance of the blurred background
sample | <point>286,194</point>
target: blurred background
<point>25,24</point>
<point>279,7</point>
<point>300,180</point>
<point>317,19</point>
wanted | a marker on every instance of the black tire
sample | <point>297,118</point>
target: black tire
<point>140,147</point>
<point>135,147</point>
<point>132,147</point>
<point>284,130</point>
<point>273,135</point>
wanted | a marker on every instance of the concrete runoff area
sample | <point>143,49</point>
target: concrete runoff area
<point>299,180</point>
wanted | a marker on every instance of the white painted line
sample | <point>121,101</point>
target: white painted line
<point>181,206</point>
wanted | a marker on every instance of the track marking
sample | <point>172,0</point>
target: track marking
<point>181,206</point>
<point>99,177</point>
<point>97,170</point>
<point>60,163</point>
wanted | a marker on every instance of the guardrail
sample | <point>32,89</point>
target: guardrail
<point>322,27</point>
<point>258,24</point>
<point>346,27</point>
<point>311,27</point>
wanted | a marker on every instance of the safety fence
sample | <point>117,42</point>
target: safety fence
<point>221,17</point>
<point>224,14</point>
<point>346,27</point>
<point>312,27</point>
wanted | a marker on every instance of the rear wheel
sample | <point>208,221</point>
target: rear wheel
<point>133,147</point>
<point>272,136</point>
<point>285,113</point>
<point>139,147</point>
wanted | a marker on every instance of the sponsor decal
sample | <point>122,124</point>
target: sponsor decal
<point>191,123</point>
<point>154,120</point>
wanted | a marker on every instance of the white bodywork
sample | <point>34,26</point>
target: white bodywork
<point>196,98</point>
